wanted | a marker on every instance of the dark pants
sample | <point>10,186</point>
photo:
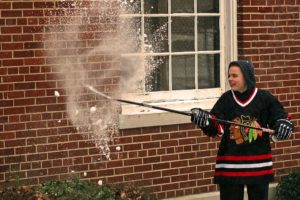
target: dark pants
<point>236,192</point>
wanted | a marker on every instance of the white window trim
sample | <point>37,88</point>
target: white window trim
<point>136,116</point>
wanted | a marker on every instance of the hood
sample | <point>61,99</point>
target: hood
<point>247,69</point>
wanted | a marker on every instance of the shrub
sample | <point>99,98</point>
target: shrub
<point>76,189</point>
<point>21,193</point>
<point>288,187</point>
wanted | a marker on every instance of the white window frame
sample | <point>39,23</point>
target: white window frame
<point>183,100</point>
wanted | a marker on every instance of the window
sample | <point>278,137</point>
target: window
<point>187,46</point>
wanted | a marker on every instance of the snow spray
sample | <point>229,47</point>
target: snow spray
<point>85,45</point>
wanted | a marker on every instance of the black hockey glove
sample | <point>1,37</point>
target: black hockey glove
<point>283,129</point>
<point>200,117</point>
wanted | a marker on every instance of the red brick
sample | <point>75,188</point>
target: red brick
<point>13,62</point>
<point>36,125</point>
<point>14,127</point>
<point>75,153</point>
<point>23,38</point>
<point>34,61</point>
<point>14,159</point>
<point>128,132</point>
<point>47,148</point>
<point>4,55</point>
<point>46,100</point>
<point>36,157</point>
<point>12,46</point>
<point>22,21</point>
<point>3,119</point>
<point>26,150</point>
<point>35,93</point>
<point>36,141</point>
<point>33,29</point>
<point>169,128</point>
<point>33,13</point>
<point>124,170</point>
<point>14,119</point>
<point>169,158</point>
<point>6,103</point>
<point>23,70</point>
<point>57,155</point>
<point>5,5</point>
<point>7,135</point>
<point>66,146</point>
<point>150,145</point>
<point>11,13</point>
<point>44,85</point>
<point>115,179</point>
<point>24,86</point>
<point>133,177</point>
<point>19,54</point>
<point>24,102</point>
<point>25,134</point>
<point>14,111</point>
<point>132,147</point>
<point>15,143</point>
<point>22,5</point>
<point>169,143</point>
<point>10,22</point>
<point>113,164</point>
<point>44,4</point>
<point>56,107</point>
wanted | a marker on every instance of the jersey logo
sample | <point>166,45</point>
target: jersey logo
<point>244,134</point>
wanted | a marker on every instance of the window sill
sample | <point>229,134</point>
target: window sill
<point>138,117</point>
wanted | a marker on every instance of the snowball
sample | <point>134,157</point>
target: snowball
<point>56,93</point>
<point>84,174</point>
<point>118,148</point>
<point>100,182</point>
<point>93,109</point>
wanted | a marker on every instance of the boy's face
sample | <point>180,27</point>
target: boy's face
<point>236,79</point>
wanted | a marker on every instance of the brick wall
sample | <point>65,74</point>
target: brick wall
<point>38,141</point>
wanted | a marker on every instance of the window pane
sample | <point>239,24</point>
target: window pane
<point>183,72</point>
<point>183,34</point>
<point>156,6</point>
<point>158,78</point>
<point>209,71</point>
<point>131,7</point>
<point>208,33</point>
<point>132,74</point>
<point>129,35</point>
<point>208,6</point>
<point>156,34</point>
<point>182,6</point>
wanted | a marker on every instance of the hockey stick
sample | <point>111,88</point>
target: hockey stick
<point>221,121</point>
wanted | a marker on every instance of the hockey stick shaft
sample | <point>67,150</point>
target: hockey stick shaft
<point>221,121</point>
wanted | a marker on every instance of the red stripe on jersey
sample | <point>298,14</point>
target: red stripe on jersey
<point>234,158</point>
<point>258,173</point>
<point>247,101</point>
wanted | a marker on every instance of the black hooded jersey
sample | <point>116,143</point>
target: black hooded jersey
<point>249,160</point>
